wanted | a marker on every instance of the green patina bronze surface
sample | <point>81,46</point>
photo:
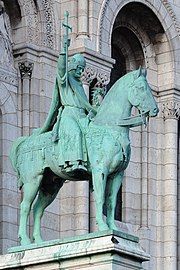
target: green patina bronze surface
<point>79,141</point>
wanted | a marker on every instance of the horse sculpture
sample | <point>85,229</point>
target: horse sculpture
<point>108,146</point>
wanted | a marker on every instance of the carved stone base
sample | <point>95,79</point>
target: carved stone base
<point>103,251</point>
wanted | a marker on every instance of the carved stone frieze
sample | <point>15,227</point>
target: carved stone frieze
<point>25,69</point>
<point>171,110</point>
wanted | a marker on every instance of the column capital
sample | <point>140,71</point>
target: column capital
<point>26,69</point>
<point>171,110</point>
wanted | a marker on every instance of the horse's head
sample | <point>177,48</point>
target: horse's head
<point>140,94</point>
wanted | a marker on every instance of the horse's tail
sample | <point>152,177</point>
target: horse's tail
<point>13,157</point>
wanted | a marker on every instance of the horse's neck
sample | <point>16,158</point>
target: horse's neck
<point>115,105</point>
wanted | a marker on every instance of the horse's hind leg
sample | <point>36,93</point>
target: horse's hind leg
<point>45,198</point>
<point>30,191</point>
<point>113,186</point>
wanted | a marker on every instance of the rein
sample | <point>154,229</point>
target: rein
<point>131,121</point>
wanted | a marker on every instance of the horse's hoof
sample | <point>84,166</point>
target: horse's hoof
<point>113,227</point>
<point>38,240</point>
<point>103,227</point>
<point>25,242</point>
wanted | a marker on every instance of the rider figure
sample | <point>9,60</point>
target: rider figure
<point>68,107</point>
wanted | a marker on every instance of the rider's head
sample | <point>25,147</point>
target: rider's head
<point>77,65</point>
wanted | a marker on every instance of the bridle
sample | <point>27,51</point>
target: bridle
<point>132,121</point>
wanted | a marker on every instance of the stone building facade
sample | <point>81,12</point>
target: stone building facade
<point>133,33</point>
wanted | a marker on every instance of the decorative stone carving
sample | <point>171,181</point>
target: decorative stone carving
<point>31,16</point>
<point>89,75</point>
<point>171,110</point>
<point>25,69</point>
<point>8,77</point>
<point>172,14</point>
<point>49,40</point>
<point>102,79</point>
<point>6,56</point>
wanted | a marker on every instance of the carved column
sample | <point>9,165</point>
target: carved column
<point>25,69</point>
<point>171,112</point>
<point>83,27</point>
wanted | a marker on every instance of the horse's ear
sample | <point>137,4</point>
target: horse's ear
<point>139,71</point>
<point>144,72</point>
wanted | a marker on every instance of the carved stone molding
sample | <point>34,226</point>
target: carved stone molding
<point>8,77</point>
<point>171,110</point>
<point>172,14</point>
<point>25,69</point>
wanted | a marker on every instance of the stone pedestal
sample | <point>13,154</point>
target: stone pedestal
<point>103,251</point>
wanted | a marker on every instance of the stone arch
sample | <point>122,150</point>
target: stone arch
<point>169,35</point>
<point>30,22</point>
<point>109,12</point>
<point>35,20</point>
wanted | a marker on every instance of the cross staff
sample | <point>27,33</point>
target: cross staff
<point>66,40</point>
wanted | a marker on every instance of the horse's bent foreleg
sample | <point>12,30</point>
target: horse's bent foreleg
<point>113,187</point>
<point>99,184</point>
<point>44,199</point>
<point>30,191</point>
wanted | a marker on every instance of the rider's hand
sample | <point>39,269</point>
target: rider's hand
<point>91,115</point>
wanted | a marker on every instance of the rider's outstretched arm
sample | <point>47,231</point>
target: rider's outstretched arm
<point>61,66</point>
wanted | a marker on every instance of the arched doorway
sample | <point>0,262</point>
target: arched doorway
<point>135,42</point>
<point>139,37</point>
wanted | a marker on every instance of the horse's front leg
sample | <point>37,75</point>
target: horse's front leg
<point>113,186</point>
<point>99,184</point>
